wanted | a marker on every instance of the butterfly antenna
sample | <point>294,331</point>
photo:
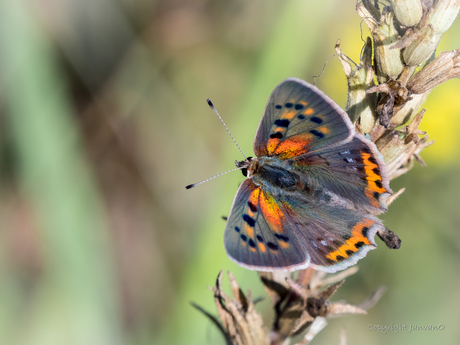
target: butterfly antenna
<point>215,110</point>
<point>196,184</point>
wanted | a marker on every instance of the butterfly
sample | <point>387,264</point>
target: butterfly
<point>312,192</point>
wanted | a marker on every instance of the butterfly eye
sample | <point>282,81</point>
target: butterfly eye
<point>244,171</point>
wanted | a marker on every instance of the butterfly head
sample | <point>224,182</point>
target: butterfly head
<point>248,167</point>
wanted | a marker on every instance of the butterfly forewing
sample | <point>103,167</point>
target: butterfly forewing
<point>299,118</point>
<point>257,235</point>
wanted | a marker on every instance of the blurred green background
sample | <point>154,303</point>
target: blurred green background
<point>103,121</point>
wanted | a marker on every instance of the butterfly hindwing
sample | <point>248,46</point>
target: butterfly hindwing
<point>257,235</point>
<point>353,170</point>
<point>334,237</point>
<point>299,118</point>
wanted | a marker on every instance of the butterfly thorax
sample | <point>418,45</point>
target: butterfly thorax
<point>271,173</point>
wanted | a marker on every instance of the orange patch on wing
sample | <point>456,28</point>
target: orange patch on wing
<point>369,166</point>
<point>250,213</point>
<point>283,244</point>
<point>272,213</point>
<point>249,231</point>
<point>293,147</point>
<point>289,115</point>
<point>309,111</point>
<point>272,145</point>
<point>254,250</point>
<point>262,247</point>
<point>324,130</point>
<point>356,236</point>
<point>274,142</point>
<point>254,200</point>
<point>371,178</point>
<point>303,103</point>
<point>254,197</point>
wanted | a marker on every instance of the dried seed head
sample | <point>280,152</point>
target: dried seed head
<point>408,12</point>
<point>443,15</point>
<point>421,48</point>
<point>404,113</point>
<point>385,35</point>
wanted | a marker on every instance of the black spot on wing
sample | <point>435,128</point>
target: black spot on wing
<point>301,116</point>
<point>237,229</point>
<point>298,106</point>
<point>252,243</point>
<point>278,106</point>
<point>316,120</point>
<point>282,123</point>
<point>317,133</point>
<point>282,237</point>
<point>288,105</point>
<point>252,206</point>
<point>259,238</point>
<point>249,220</point>
<point>364,231</point>
<point>272,246</point>
<point>277,135</point>
<point>359,244</point>
<point>373,160</point>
